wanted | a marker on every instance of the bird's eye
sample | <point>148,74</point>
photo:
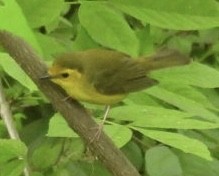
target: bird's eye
<point>65,75</point>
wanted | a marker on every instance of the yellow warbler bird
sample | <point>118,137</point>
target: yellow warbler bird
<point>102,76</point>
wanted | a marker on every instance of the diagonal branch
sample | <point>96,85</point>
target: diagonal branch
<point>75,115</point>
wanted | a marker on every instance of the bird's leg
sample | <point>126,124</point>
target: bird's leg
<point>100,127</point>
<point>106,112</point>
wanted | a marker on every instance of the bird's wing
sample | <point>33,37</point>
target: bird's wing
<point>120,76</point>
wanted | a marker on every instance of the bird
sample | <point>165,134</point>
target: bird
<point>106,77</point>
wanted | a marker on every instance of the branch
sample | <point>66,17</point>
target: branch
<point>6,115</point>
<point>75,115</point>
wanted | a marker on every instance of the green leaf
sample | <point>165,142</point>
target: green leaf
<point>195,74</point>
<point>10,148</point>
<point>74,149</point>
<point>58,127</point>
<point>46,152</point>
<point>119,134</point>
<point>157,117</point>
<point>134,153</point>
<point>83,41</point>
<point>50,45</point>
<point>12,168</point>
<point>145,41</point>
<point>140,98</point>
<point>137,112</point>
<point>195,166</point>
<point>108,27</point>
<point>161,161</point>
<point>178,15</point>
<point>40,13</point>
<point>174,123</point>
<point>12,69</point>
<point>13,20</point>
<point>193,93</point>
<point>184,143</point>
<point>186,104</point>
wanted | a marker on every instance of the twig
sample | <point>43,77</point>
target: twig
<point>75,115</point>
<point>7,116</point>
<point>8,120</point>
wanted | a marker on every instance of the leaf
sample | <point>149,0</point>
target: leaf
<point>10,148</point>
<point>46,153</point>
<point>196,166</point>
<point>74,149</point>
<point>184,143</point>
<point>119,134</point>
<point>12,168</point>
<point>83,41</point>
<point>134,153</point>
<point>40,13</point>
<point>161,161</point>
<point>12,69</point>
<point>13,20</point>
<point>157,117</point>
<point>50,45</point>
<point>145,41</point>
<point>174,123</point>
<point>58,127</point>
<point>139,98</point>
<point>195,74</point>
<point>178,15</point>
<point>186,104</point>
<point>12,155</point>
<point>137,112</point>
<point>193,93</point>
<point>108,27</point>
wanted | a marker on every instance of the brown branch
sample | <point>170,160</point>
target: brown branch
<point>75,115</point>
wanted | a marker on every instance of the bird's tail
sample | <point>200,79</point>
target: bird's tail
<point>163,59</point>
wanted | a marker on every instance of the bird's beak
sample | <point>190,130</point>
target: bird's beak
<point>46,77</point>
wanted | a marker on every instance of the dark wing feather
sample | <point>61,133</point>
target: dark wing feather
<point>119,75</point>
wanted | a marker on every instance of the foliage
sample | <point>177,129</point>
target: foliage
<point>167,130</point>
